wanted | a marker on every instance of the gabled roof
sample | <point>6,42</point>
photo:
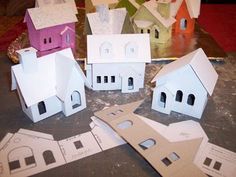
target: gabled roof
<point>50,79</point>
<point>199,63</point>
<point>151,6</point>
<point>51,15</point>
<point>118,43</point>
<point>193,7</point>
<point>113,26</point>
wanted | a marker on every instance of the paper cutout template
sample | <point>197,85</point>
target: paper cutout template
<point>49,84</point>
<point>168,158</point>
<point>184,85</point>
<point>123,55</point>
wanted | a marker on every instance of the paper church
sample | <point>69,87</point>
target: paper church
<point>117,62</point>
<point>49,84</point>
<point>49,30</point>
<point>105,21</point>
<point>184,85</point>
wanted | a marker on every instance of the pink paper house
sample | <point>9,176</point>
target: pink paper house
<point>51,28</point>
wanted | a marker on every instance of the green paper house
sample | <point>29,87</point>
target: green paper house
<point>154,17</point>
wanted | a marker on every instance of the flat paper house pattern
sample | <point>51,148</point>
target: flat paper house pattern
<point>184,85</point>
<point>49,84</point>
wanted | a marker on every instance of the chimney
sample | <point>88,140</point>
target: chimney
<point>103,12</point>
<point>163,7</point>
<point>28,59</point>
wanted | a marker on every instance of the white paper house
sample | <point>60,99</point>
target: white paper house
<point>184,85</point>
<point>117,62</point>
<point>49,84</point>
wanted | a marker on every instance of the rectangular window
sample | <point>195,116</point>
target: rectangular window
<point>98,79</point>
<point>217,165</point>
<point>78,144</point>
<point>14,165</point>
<point>29,160</point>
<point>50,40</point>
<point>207,161</point>
<point>45,41</point>
<point>113,79</point>
<point>105,79</point>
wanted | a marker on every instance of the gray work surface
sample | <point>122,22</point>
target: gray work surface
<point>218,121</point>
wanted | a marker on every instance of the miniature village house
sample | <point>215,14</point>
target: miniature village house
<point>117,62</point>
<point>185,12</point>
<point>49,84</point>
<point>105,21</point>
<point>154,17</point>
<point>184,85</point>
<point>49,30</point>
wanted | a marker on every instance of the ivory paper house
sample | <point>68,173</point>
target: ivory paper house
<point>49,30</point>
<point>154,17</point>
<point>117,62</point>
<point>49,84</point>
<point>184,85</point>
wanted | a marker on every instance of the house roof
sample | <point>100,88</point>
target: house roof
<point>199,63</point>
<point>50,79</point>
<point>193,7</point>
<point>151,6</point>
<point>100,2</point>
<point>128,5</point>
<point>51,15</point>
<point>118,43</point>
<point>113,26</point>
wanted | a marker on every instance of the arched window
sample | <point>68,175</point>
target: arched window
<point>156,33</point>
<point>75,99</point>
<point>42,107</point>
<point>130,83</point>
<point>48,157</point>
<point>131,49</point>
<point>147,143</point>
<point>163,99</point>
<point>191,99</point>
<point>106,50</point>
<point>179,96</point>
<point>183,24</point>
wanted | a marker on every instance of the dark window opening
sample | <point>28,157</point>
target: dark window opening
<point>41,107</point>
<point>191,99</point>
<point>98,79</point>
<point>141,30</point>
<point>166,161</point>
<point>207,161</point>
<point>113,79</point>
<point>30,160</point>
<point>148,31</point>
<point>179,96</point>
<point>50,40</point>
<point>48,157</point>
<point>75,99</point>
<point>111,114</point>
<point>217,165</point>
<point>119,111</point>
<point>45,41</point>
<point>78,144</point>
<point>147,144</point>
<point>156,33</point>
<point>163,99</point>
<point>130,83</point>
<point>14,165</point>
<point>105,79</point>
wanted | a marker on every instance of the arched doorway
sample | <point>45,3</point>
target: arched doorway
<point>75,99</point>
<point>130,83</point>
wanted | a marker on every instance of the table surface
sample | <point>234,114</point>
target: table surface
<point>218,121</point>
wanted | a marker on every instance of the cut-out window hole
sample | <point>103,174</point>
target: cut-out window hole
<point>125,124</point>
<point>148,31</point>
<point>105,79</point>
<point>78,144</point>
<point>173,156</point>
<point>166,161</point>
<point>147,144</point>
<point>119,111</point>
<point>130,83</point>
<point>30,160</point>
<point>75,99</point>
<point>217,165</point>
<point>191,100</point>
<point>14,165</point>
<point>156,33</point>
<point>141,30</point>
<point>50,40</point>
<point>162,102</point>
<point>98,79</point>
<point>207,161</point>
<point>179,96</point>
<point>113,79</point>
<point>45,41</point>
<point>48,157</point>
<point>41,107</point>
<point>111,114</point>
